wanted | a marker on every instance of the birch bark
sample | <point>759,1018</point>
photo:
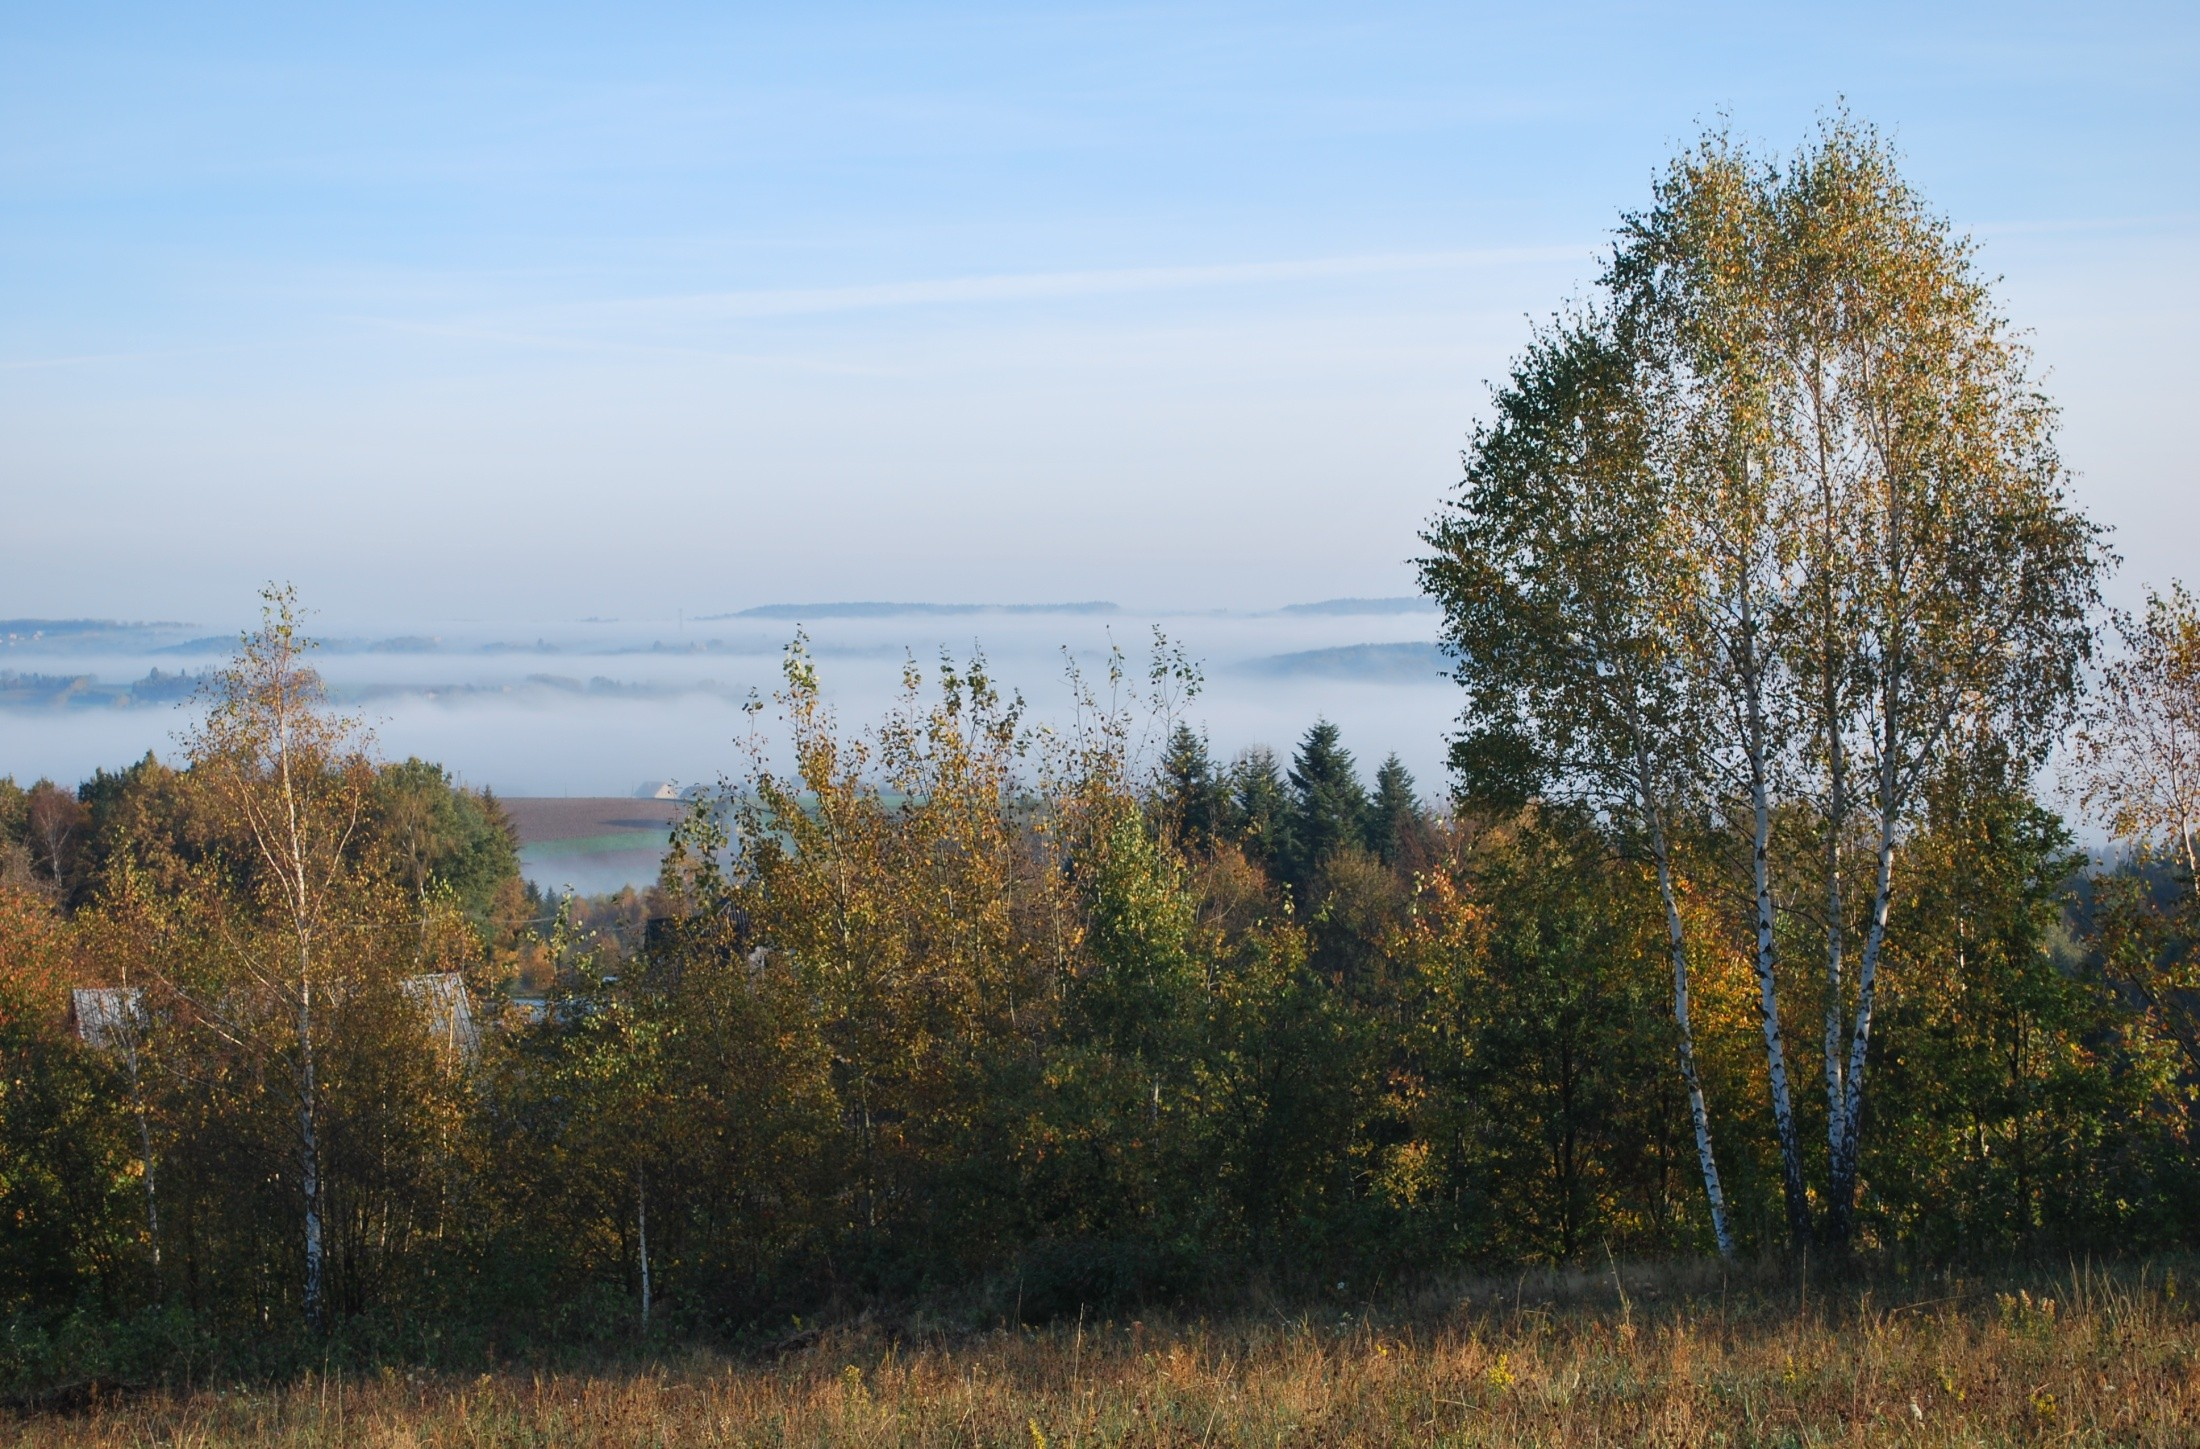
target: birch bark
<point>641,1236</point>
<point>1699,1115</point>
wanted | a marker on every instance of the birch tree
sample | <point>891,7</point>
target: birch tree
<point>1565,597</point>
<point>1948,581</point>
<point>1845,553</point>
<point>1889,565</point>
<point>2138,756</point>
<point>612,1068</point>
<point>2136,769</point>
<point>1688,278</point>
<point>293,776</point>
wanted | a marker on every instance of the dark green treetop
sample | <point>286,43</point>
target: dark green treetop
<point>1259,808</point>
<point>1329,807</point>
<point>1195,796</point>
<point>1395,819</point>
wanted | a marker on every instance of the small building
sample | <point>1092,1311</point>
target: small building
<point>108,1018</point>
<point>450,1014</point>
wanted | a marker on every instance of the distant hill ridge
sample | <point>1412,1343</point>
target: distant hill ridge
<point>884,609</point>
<point>888,610</point>
<point>1414,604</point>
<point>1367,663</point>
<point>84,626</point>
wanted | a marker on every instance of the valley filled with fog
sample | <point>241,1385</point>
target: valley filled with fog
<point>602,707</point>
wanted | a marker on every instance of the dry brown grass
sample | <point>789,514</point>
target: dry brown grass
<point>2093,1359</point>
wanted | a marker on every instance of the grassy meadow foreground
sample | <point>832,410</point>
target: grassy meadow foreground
<point>2085,1357</point>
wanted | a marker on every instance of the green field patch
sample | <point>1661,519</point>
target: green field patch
<point>598,844</point>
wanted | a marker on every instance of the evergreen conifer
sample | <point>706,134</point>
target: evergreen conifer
<point>1259,809</point>
<point>1395,819</point>
<point>1194,795</point>
<point>1329,808</point>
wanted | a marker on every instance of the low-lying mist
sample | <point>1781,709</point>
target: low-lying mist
<point>600,706</point>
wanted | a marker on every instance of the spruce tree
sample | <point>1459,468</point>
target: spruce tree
<point>1329,807</point>
<point>1395,819</point>
<point>1259,809</point>
<point>1194,795</point>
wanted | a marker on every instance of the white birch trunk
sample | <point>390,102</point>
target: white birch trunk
<point>1830,724</point>
<point>1768,993</point>
<point>309,1153</point>
<point>145,1159</point>
<point>1836,1075</point>
<point>641,1237</point>
<point>1699,1115</point>
<point>1842,1177</point>
<point>1676,939</point>
<point>1890,789</point>
<point>1837,816</point>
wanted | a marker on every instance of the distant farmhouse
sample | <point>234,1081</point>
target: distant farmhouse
<point>109,1018</point>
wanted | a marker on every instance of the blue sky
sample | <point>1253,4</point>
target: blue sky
<point>494,312</point>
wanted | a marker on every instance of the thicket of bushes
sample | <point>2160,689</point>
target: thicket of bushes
<point>1011,1022</point>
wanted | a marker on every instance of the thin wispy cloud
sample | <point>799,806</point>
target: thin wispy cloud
<point>86,359</point>
<point>1014,287</point>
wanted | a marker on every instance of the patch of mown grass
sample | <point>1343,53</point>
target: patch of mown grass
<point>1673,1357</point>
